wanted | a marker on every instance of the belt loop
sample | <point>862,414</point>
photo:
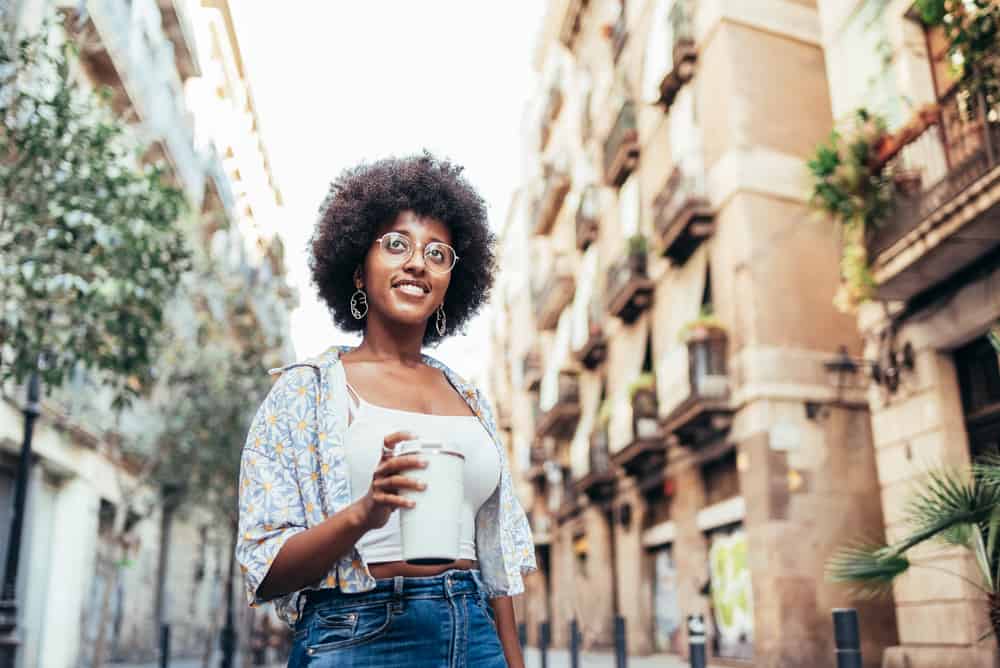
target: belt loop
<point>397,593</point>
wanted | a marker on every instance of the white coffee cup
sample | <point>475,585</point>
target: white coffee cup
<point>430,532</point>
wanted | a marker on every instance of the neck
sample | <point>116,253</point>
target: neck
<point>391,343</point>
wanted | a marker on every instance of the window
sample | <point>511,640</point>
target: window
<point>978,368</point>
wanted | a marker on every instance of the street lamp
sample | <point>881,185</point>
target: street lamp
<point>9,640</point>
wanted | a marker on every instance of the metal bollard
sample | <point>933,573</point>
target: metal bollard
<point>574,644</point>
<point>164,645</point>
<point>543,643</point>
<point>621,660</point>
<point>696,640</point>
<point>522,634</point>
<point>846,638</point>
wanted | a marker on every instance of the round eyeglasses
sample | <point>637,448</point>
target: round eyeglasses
<point>439,257</point>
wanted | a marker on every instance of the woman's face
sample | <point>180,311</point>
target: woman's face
<point>404,289</point>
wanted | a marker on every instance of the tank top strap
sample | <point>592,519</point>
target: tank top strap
<point>354,404</point>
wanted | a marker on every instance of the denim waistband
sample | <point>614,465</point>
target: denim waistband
<point>449,584</point>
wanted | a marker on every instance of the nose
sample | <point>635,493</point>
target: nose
<point>416,262</point>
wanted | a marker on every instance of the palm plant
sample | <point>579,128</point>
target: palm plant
<point>953,508</point>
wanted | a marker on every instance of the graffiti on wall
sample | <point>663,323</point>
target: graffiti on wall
<point>732,598</point>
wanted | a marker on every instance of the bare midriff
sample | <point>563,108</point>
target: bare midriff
<point>390,569</point>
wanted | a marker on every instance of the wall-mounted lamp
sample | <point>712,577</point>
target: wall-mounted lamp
<point>885,371</point>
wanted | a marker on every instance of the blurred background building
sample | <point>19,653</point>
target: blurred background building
<point>691,419</point>
<point>106,561</point>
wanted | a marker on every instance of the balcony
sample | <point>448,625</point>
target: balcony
<point>554,294</point>
<point>947,213</point>
<point>572,17</point>
<point>587,218</point>
<point>621,149</point>
<point>531,370</point>
<point>594,350</point>
<point>645,455</point>
<point>619,35</point>
<point>142,75</point>
<point>682,51</point>
<point>696,392</point>
<point>559,420</point>
<point>683,216</point>
<point>537,461</point>
<point>629,289</point>
<point>553,105</point>
<point>177,26</point>
<point>557,185</point>
<point>599,483</point>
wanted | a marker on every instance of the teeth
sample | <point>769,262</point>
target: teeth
<point>411,289</point>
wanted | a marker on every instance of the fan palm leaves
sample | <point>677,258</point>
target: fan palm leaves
<point>959,508</point>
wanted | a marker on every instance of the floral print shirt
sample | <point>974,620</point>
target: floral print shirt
<point>293,475</point>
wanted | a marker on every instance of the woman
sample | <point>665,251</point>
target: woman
<point>402,253</point>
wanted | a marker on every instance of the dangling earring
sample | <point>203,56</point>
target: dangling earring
<point>442,320</point>
<point>359,300</point>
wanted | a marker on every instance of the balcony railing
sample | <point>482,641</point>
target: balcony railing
<point>587,218</point>
<point>683,216</point>
<point>555,293</point>
<point>177,26</point>
<point>646,453</point>
<point>571,21</point>
<point>629,289</point>
<point>553,105</point>
<point>682,50</point>
<point>621,149</point>
<point>559,421</point>
<point>619,35</point>
<point>557,184</point>
<point>595,349</point>
<point>531,370</point>
<point>947,214</point>
<point>696,398</point>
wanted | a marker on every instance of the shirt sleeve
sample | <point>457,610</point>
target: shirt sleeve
<point>270,502</point>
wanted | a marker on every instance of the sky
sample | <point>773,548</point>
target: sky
<point>340,82</point>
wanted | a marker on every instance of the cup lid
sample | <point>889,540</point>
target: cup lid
<point>425,447</point>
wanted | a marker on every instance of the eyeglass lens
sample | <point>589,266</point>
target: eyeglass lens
<point>440,257</point>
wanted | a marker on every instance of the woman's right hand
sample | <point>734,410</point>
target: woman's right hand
<point>383,495</point>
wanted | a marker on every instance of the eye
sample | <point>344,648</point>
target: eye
<point>396,243</point>
<point>436,254</point>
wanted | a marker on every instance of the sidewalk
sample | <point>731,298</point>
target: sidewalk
<point>559,658</point>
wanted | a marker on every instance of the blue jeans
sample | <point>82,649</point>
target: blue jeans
<point>443,621</point>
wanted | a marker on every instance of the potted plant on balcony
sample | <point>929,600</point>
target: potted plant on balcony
<point>952,508</point>
<point>972,28</point>
<point>706,326</point>
<point>642,396</point>
<point>638,247</point>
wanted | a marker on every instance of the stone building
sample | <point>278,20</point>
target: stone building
<point>664,325</point>
<point>175,73</point>
<point>936,264</point>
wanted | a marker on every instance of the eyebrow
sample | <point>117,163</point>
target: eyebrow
<point>406,233</point>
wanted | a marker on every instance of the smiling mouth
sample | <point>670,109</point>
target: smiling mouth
<point>412,288</point>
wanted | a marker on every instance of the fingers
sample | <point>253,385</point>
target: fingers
<point>396,437</point>
<point>394,465</point>
<point>393,500</point>
<point>398,482</point>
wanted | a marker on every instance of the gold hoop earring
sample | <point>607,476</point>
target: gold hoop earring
<point>359,300</point>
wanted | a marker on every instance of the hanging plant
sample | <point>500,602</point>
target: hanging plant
<point>973,31</point>
<point>644,381</point>
<point>850,186</point>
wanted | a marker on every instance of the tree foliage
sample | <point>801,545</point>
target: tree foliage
<point>88,235</point>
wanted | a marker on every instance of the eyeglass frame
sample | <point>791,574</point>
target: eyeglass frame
<point>414,244</point>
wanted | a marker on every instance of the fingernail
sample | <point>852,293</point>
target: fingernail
<point>410,503</point>
<point>423,462</point>
<point>423,485</point>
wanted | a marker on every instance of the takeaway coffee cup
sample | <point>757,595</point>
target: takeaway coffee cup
<point>430,531</point>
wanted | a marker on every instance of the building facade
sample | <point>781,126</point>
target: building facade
<point>104,567</point>
<point>663,332</point>
<point>936,266</point>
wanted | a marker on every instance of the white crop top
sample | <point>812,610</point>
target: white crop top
<point>370,424</point>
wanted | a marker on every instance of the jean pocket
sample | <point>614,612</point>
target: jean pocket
<point>483,604</point>
<point>336,629</point>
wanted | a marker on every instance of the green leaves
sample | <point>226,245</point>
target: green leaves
<point>88,235</point>
<point>870,567</point>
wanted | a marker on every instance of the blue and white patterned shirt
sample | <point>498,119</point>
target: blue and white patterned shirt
<point>293,475</point>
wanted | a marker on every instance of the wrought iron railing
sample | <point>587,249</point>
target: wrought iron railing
<point>621,146</point>
<point>600,454</point>
<point>938,164</point>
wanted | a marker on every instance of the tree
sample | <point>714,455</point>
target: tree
<point>92,252</point>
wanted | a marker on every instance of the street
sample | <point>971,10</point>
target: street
<point>559,658</point>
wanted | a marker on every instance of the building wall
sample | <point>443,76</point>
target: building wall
<point>796,463</point>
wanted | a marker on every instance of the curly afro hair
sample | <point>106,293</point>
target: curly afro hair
<point>365,196</point>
